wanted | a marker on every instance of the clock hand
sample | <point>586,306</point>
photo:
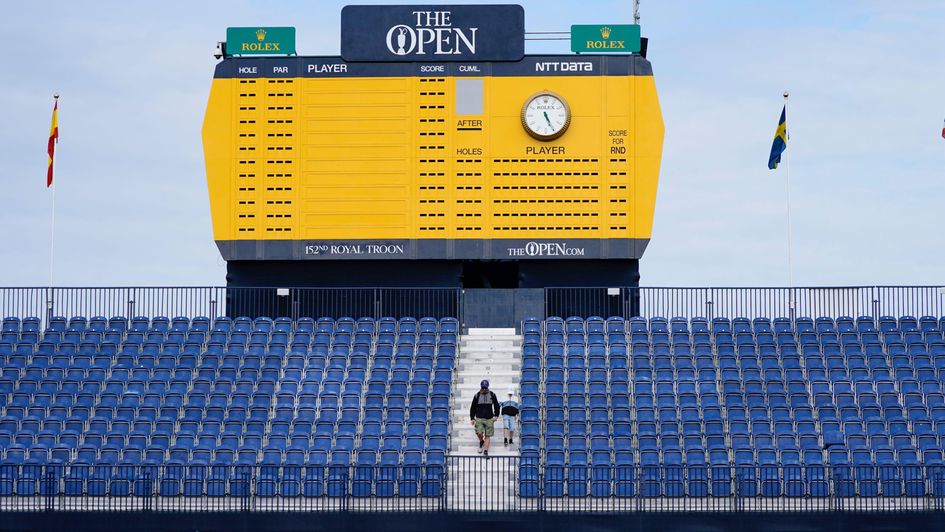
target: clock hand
<point>548,119</point>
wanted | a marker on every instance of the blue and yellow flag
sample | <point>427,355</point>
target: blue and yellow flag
<point>780,141</point>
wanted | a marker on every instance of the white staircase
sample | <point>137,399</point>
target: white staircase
<point>495,355</point>
<point>492,354</point>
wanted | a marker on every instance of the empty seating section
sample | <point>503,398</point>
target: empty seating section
<point>309,408</point>
<point>743,407</point>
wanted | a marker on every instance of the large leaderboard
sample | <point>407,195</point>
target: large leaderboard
<point>547,157</point>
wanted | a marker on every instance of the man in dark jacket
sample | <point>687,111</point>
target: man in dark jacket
<point>482,415</point>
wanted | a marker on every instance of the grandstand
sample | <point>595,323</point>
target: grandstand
<point>201,398</point>
<point>395,230</point>
<point>727,415</point>
<point>744,407</point>
<point>613,410</point>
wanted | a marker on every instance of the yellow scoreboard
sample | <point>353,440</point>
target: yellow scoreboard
<point>547,157</point>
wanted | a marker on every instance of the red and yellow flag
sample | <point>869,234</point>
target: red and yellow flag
<point>53,139</point>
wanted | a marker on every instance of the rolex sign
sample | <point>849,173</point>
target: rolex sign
<point>615,38</point>
<point>433,33</point>
<point>260,41</point>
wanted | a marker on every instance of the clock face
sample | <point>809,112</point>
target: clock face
<point>546,116</point>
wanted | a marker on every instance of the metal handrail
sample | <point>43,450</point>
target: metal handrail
<point>472,483</point>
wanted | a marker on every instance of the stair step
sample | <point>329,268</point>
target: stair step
<point>493,354</point>
<point>498,376</point>
<point>483,330</point>
<point>480,352</point>
<point>474,356</point>
<point>495,367</point>
<point>493,343</point>
<point>485,358</point>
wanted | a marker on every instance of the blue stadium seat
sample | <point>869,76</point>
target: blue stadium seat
<point>107,396</point>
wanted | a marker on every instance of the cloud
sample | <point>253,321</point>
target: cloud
<point>866,160</point>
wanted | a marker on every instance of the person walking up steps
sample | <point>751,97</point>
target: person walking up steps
<point>510,409</point>
<point>483,412</point>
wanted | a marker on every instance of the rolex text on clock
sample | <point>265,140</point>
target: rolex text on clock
<point>546,116</point>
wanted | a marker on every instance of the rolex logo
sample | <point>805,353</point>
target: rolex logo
<point>605,42</point>
<point>261,45</point>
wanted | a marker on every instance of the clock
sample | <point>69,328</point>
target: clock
<point>546,116</point>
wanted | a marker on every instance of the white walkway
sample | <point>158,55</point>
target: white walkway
<point>493,354</point>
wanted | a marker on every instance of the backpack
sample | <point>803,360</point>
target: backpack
<point>509,410</point>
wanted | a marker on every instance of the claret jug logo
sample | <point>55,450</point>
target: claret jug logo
<point>262,45</point>
<point>433,33</point>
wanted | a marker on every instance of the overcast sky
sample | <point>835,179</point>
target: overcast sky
<point>867,161</point>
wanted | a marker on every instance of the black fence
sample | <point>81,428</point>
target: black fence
<point>625,302</point>
<point>710,303</point>
<point>221,488</point>
<point>338,302</point>
<point>472,484</point>
<point>224,301</point>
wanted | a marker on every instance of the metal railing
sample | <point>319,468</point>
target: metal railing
<point>375,303</point>
<point>772,302</point>
<point>473,484</point>
<point>228,301</point>
<point>203,488</point>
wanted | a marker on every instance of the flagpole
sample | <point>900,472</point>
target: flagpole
<point>790,231</point>
<point>52,221</point>
<point>52,235</point>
